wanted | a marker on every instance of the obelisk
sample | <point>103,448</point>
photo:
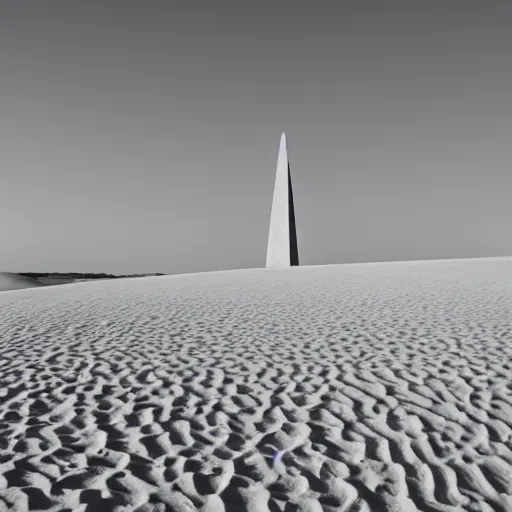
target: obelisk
<point>282,248</point>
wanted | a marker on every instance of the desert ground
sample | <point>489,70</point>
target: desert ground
<point>368,387</point>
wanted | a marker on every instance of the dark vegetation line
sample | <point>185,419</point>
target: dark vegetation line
<point>79,275</point>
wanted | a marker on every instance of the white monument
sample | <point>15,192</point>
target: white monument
<point>282,248</point>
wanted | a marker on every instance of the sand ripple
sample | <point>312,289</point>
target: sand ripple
<point>342,388</point>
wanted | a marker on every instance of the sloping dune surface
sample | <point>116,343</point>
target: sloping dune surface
<point>9,281</point>
<point>375,387</point>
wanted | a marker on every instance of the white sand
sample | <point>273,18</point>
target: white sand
<point>338,388</point>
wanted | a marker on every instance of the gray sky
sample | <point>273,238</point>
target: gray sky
<point>142,136</point>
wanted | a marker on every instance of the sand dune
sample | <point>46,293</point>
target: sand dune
<point>9,281</point>
<point>338,388</point>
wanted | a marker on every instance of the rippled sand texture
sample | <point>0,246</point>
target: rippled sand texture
<point>337,388</point>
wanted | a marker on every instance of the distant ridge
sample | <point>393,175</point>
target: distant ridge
<point>20,280</point>
<point>10,281</point>
<point>81,275</point>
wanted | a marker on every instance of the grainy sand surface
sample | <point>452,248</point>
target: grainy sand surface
<point>332,388</point>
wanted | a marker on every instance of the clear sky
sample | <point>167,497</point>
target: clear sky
<point>142,136</point>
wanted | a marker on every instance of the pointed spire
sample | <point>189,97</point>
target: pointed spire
<point>282,250</point>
